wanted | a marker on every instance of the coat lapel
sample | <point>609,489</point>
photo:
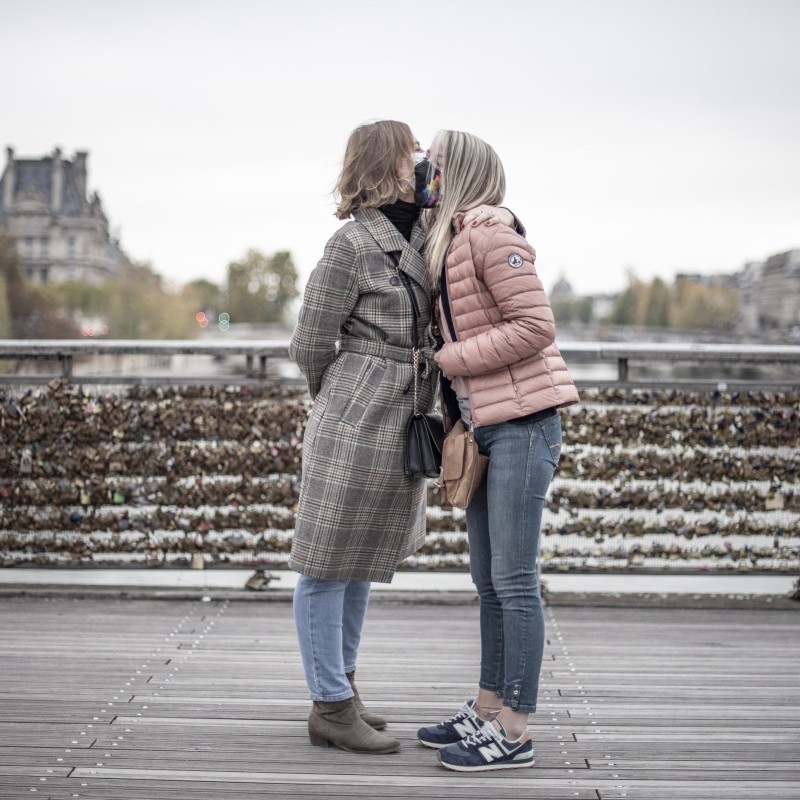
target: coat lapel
<point>390,240</point>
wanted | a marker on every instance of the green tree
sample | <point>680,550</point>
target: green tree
<point>205,295</point>
<point>260,287</point>
<point>629,304</point>
<point>81,297</point>
<point>5,313</point>
<point>702,306</point>
<point>135,304</point>
<point>9,272</point>
<point>584,309</point>
<point>659,302</point>
<point>574,309</point>
<point>25,311</point>
<point>562,310</point>
<point>141,307</point>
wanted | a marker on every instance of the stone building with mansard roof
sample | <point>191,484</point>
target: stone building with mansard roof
<point>779,295</point>
<point>61,232</point>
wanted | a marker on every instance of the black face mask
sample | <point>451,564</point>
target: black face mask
<point>427,185</point>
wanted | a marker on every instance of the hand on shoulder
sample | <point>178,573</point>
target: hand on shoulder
<point>485,215</point>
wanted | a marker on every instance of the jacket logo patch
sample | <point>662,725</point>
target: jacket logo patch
<point>515,261</point>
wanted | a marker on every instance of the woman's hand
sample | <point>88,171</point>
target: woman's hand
<point>486,215</point>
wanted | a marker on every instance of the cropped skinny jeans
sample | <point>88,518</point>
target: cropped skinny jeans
<point>329,617</point>
<point>503,523</point>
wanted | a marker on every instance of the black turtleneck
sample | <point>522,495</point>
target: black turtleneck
<point>402,215</point>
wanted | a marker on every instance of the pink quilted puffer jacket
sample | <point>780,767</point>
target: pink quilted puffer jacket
<point>505,332</point>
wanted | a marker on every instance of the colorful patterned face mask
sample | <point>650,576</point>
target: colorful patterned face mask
<point>428,184</point>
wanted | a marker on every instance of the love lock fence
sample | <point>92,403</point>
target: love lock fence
<point>686,459</point>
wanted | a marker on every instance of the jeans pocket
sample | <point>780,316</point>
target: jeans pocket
<point>551,431</point>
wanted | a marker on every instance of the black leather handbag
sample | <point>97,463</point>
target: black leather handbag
<point>424,438</point>
<point>424,432</point>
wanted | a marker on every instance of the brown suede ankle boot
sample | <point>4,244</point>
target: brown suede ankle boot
<point>373,720</point>
<point>340,724</point>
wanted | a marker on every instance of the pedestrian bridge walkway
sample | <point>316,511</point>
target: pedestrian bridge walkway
<point>190,700</point>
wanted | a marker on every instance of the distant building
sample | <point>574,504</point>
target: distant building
<point>715,280</point>
<point>61,233</point>
<point>779,292</point>
<point>562,289</point>
<point>749,280</point>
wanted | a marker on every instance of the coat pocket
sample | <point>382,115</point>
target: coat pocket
<point>353,392</point>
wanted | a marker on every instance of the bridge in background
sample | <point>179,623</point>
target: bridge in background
<point>681,458</point>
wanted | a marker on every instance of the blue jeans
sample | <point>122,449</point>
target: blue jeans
<point>329,616</point>
<point>503,525</point>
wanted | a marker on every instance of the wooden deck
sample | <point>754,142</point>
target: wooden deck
<point>190,700</point>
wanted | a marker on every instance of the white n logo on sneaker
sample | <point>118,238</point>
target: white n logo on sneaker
<point>491,752</point>
<point>464,728</point>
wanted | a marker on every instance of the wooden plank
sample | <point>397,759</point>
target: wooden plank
<point>101,789</point>
<point>210,702</point>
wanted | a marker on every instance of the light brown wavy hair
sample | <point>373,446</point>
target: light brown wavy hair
<point>369,172</point>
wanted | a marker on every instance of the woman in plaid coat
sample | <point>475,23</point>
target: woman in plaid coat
<point>359,513</point>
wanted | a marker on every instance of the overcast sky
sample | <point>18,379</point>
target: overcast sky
<point>655,136</point>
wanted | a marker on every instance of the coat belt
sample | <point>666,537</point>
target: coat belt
<point>368,347</point>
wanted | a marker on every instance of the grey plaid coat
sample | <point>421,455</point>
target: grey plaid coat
<point>359,515</point>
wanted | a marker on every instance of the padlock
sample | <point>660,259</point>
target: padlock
<point>26,461</point>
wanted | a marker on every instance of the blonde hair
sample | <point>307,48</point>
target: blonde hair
<point>369,171</point>
<point>472,174</point>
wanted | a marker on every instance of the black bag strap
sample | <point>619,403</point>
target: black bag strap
<point>414,336</point>
<point>414,308</point>
<point>443,296</point>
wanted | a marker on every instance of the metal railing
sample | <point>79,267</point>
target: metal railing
<point>67,352</point>
<point>735,366</point>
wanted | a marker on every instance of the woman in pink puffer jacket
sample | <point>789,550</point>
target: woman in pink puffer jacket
<point>504,376</point>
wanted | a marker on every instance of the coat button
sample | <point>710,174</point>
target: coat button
<point>394,280</point>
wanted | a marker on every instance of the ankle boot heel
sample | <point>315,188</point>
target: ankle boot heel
<point>338,723</point>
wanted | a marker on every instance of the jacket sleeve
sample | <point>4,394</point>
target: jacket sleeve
<point>329,298</point>
<point>527,327</point>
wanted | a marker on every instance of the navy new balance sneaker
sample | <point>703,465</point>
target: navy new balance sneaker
<point>487,749</point>
<point>462,724</point>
